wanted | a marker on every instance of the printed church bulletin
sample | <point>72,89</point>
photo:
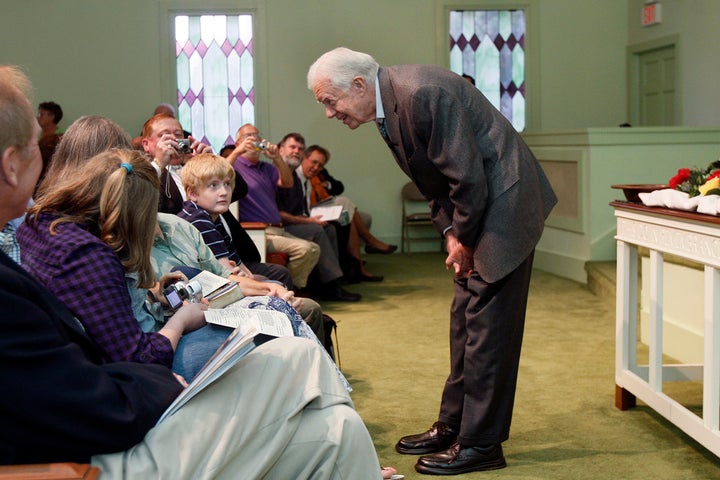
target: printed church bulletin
<point>252,329</point>
<point>327,213</point>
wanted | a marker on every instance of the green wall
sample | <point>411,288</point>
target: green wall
<point>108,57</point>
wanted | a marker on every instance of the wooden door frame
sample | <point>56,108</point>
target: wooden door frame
<point>633,54</point>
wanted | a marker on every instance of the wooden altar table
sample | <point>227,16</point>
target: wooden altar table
<point>688,235</point>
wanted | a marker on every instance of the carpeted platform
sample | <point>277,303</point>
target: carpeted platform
<point>394,350</point>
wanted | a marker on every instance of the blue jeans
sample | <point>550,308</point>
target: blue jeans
<point>195,349</point>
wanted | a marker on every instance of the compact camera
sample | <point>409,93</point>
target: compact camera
<point>261,145</point>
<point>183,145</point>
<point>181,291</point>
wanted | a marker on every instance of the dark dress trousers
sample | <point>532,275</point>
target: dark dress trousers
<point>292,200</point>
<point>482,181</point>
<point>60,400</point>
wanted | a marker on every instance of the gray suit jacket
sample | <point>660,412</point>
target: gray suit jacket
<point>476,171</point>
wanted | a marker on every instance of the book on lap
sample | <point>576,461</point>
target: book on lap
<point>252,329</point>
<point>218,291</point>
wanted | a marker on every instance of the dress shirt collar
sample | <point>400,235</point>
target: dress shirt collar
<point>300,174</point>
<point>379,111</point>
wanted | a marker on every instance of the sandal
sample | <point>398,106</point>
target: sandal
<point>390,473</point>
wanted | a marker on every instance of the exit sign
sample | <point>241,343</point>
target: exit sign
<point>651,14</point>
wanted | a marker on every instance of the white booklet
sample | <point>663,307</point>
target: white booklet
<point>269,322</point>
<point>327,213</point>
<point>253,328</point>
<point>210,282</point>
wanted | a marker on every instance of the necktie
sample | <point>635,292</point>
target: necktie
<point>383,130</point>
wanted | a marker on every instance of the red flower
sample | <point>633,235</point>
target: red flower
<point>682,175</point>
<point>716,173</point>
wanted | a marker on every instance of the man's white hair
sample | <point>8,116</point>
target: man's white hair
<point>340,66</point>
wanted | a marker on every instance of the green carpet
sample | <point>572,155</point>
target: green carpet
<point>394,350</point>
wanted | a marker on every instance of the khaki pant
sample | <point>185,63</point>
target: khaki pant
<point>281,413</point>
<point>302,254</point>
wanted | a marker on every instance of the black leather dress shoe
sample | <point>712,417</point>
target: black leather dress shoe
<point>458,459</point>
<point>339,294</point>
<point>437,439</point>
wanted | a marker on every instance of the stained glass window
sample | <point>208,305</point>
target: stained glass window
<point>489,45</point>
<point>215,81</point>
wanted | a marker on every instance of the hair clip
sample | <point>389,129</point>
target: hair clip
<point>126,166</point>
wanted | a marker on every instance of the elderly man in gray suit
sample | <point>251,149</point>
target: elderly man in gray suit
<point>490,198</point>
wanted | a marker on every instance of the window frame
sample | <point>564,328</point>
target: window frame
<point>169,9</point>
<point>532,51</point>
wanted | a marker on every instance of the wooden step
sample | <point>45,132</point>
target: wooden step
<point>601,279</point>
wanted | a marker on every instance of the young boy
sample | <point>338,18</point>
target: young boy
<point>208,180</point>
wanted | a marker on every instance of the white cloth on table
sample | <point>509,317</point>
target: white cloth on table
<point>670,198</point>
<point>709,204</point>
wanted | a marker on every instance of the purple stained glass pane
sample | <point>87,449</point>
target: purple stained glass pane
<point>462,42</point>
<point>474,42</point>
<point>226,47</point>
<point>452,42</point>
<point>240,47</point>
<point>201,48</point>
<point>188,49</point>
<point>239,95</point>
<point>499,42</point>
<point>511,41</point>
<point>190,97</point>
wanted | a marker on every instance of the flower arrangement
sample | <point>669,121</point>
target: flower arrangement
<point>695,181</point>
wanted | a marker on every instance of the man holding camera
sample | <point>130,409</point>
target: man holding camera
<point>259,205</point>
<point>164,140</point>
<point>263,179</point>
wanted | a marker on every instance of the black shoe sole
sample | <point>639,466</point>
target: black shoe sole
<point>481,467</point>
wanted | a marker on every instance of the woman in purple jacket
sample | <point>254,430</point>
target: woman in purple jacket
<point>84,234</point>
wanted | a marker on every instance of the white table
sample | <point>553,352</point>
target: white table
<point>695,237</point>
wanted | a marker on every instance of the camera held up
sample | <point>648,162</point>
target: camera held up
<point>260,145</point>
<point>183,145</point>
